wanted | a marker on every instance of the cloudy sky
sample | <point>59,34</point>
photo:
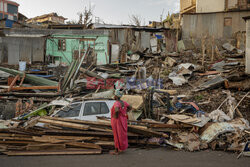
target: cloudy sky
<point>110,11</point>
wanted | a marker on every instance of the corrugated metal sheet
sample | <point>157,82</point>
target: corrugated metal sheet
<point>25,49</point>
<point>15,49</point>
<point>12,50</point>
<point>198,25</point>
<point>38,49</point>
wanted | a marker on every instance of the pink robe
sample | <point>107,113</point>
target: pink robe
<point>119,126</point>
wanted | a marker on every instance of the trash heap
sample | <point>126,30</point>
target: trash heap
<point>187,100</point>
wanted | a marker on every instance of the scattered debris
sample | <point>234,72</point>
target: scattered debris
<point>191,99</point>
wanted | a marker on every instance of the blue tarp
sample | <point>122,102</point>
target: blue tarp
<point>43,76</point>
<point>159,36</point>
<point>8,23</point>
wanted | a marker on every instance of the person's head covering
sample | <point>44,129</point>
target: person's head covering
<point>119,88</point>
<point>119,85</point>
<point>118,93</point>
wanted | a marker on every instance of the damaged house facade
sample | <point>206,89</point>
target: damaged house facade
<point>111,43</point>
<point>221,19</point>
<point>51,18</point>
<point>41,45</point>
<point>65,45</point>
<point>8,10</point>
<point>21,45</point>
<point>131,39</point>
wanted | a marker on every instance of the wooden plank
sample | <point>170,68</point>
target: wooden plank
<point>171,92</point>
<point>3,148</point>
<point>21,83</point>
<point>83,145</point>
<point>26,132</point>
<point>79,133</point>
<point>16,148</point>
<point>209,73</point>
<point>46,139</point>
<point>38,147</point>
<point>90,73</point>
<point>32,122</point>
<point>17,142</point>
<point>79,121</point>
<point>13,83</point>
<point>16,138</point>
<point>100,129</point>
<point>13,135</point>
<point>146,132</point>
<point>105,143</point>
<point>65,152</point>
<point>64,124</point>
<point>35,88</point>
<point>52,127</point>
<point>78,138</point>
<point>174,126</point>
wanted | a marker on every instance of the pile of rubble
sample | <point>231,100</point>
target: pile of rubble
<point>185,100</point>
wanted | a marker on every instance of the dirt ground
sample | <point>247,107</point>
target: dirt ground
<point>132,158</point>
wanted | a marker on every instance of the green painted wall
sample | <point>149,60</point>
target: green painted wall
<point>73,44</point>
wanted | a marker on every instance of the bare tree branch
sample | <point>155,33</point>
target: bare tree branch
<point>135,20</point>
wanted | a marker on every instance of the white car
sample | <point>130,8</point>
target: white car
<point>86,110</point>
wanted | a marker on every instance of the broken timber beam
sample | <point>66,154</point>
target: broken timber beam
<point>13,82</point>
<point>90,73</point>
<point>36,88</point>
<point>64,124</point>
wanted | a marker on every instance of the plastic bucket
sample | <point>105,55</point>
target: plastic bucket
<point>22,65</point>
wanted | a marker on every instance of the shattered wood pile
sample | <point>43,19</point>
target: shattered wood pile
<point>64,137</point>
<point>60,136</point>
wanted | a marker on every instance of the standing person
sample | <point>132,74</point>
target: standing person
<point>119,123</point>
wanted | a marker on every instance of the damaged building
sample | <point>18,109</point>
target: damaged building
<point>221,19</point>
<point>111,43</point>
<point>8,10</point>
<point>187,87</point>
<point>51,18</point>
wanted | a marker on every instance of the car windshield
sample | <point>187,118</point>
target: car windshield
<point>72,110</point>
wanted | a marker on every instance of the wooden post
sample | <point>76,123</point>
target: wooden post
<point>248,46</point>
<point>177,38</point>
<point>13,82</point>
<point>21,83</point>
<point>203,49</point>
<point>217,52</point>
<point>212,59</point>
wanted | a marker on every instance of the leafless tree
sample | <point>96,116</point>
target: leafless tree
<point>135,20</point>
<point>86,17</point>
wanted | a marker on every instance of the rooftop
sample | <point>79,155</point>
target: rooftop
<point>47,15</point>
